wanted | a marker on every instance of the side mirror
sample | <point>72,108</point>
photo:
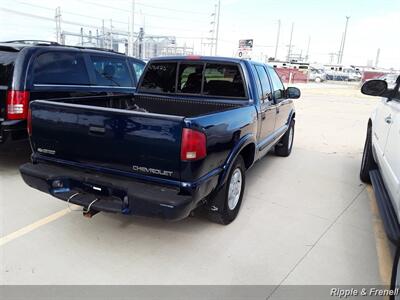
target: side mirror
<point>374,87</point>
<point>293,93</point>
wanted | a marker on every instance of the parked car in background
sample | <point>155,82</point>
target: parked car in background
<point>381,158</point>
<point>317,75</point>
<point>342,73</point>
<point>183,141</point>
<point>31,70</point>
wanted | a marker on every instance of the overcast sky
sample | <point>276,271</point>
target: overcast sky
<point>373,24</point>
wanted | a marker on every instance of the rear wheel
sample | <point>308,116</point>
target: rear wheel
<point>395,281</point>
<point>232,195</point>
<point>367,162</point>
<point>284,146</point>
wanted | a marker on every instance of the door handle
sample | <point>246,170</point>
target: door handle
<point>97,130</point>
<point>389,119</point>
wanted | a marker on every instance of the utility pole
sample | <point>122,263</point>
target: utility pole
<point>344,39</point>
<point>132,52</point>
<point>378,53</point>
<point>217,32</point>
<point>277,39</point>
<point>308,48</point>
<point>58,24</point>
<point>290,44</point>
<point>81,36</point>
<point>103,32</point>
<point>111,35</point>
<point>340,50</point>
<point>212,31</point>
<point>140,38</point>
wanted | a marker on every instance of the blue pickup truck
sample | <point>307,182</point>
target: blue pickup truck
<point>181,142</point>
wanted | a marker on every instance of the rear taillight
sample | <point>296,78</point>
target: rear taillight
<point>193,145</point>
<point>17,105</point>
<point>29,122</point>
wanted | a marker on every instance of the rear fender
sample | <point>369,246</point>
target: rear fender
<point>240,145</point>
<point>216,201</point>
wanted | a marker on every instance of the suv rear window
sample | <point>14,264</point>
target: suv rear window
<point>7,60</point>
<point>111,71</point>
<point>217,79</point>
<point>60,68</point>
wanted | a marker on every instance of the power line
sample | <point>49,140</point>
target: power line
<point>68,12</point>
<point>111,7</point>
<point>145,14</point>
<point>115,30</point>
<point>171,9</point>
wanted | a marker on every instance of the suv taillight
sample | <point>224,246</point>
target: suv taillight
<point>17,105</point>
<point>193,145</point>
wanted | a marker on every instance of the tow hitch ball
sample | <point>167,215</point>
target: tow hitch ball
<point>89,212</point>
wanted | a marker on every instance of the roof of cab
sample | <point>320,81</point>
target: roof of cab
<point>198,57</point>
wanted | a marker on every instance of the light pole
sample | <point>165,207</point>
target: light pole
<point>344,40</point>
<point>217,32</point>
<point>277,39</point>
<point>290,44</point>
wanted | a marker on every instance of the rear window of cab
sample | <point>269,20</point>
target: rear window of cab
<point>194,78</point>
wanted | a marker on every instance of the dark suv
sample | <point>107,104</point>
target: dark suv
<point>45,70</point>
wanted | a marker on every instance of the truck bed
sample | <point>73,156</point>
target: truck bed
<point>179,106</point>
<point>128,134</point>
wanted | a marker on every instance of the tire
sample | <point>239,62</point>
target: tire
<point>367,162</point>
<point>231,195</point>
<point>284,146</point>
<point>318,80</point>
<point>395,280</point>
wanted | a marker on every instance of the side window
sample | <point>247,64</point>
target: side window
<point>190,77</point>
<point>223,80</point>
<point>279,89</point>
<point>159,77</point>
<point>265,85</point>
<point>138,68</point>
<point>60,68</point>
<point>111,71</point>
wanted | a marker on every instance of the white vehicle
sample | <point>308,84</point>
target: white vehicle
<point>317,75</point>
<point>341,73</point>
<point>381,158</point>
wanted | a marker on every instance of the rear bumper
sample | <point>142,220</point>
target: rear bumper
<point>113,193</point>
<point>386,209</point>
<point>12,130</point>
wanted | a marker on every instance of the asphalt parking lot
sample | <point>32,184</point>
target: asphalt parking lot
<point>306,219</point>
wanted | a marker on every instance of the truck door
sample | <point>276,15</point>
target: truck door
<point>391,158</point>
<point>267,113</point>
<point>282,104</point>
<point>380,128</point>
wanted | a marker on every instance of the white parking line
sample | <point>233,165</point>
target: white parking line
<point>25,230</point>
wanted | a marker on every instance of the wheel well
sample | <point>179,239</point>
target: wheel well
<point>248,153</point>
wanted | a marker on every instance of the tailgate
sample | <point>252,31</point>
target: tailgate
<point>108,139</point>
